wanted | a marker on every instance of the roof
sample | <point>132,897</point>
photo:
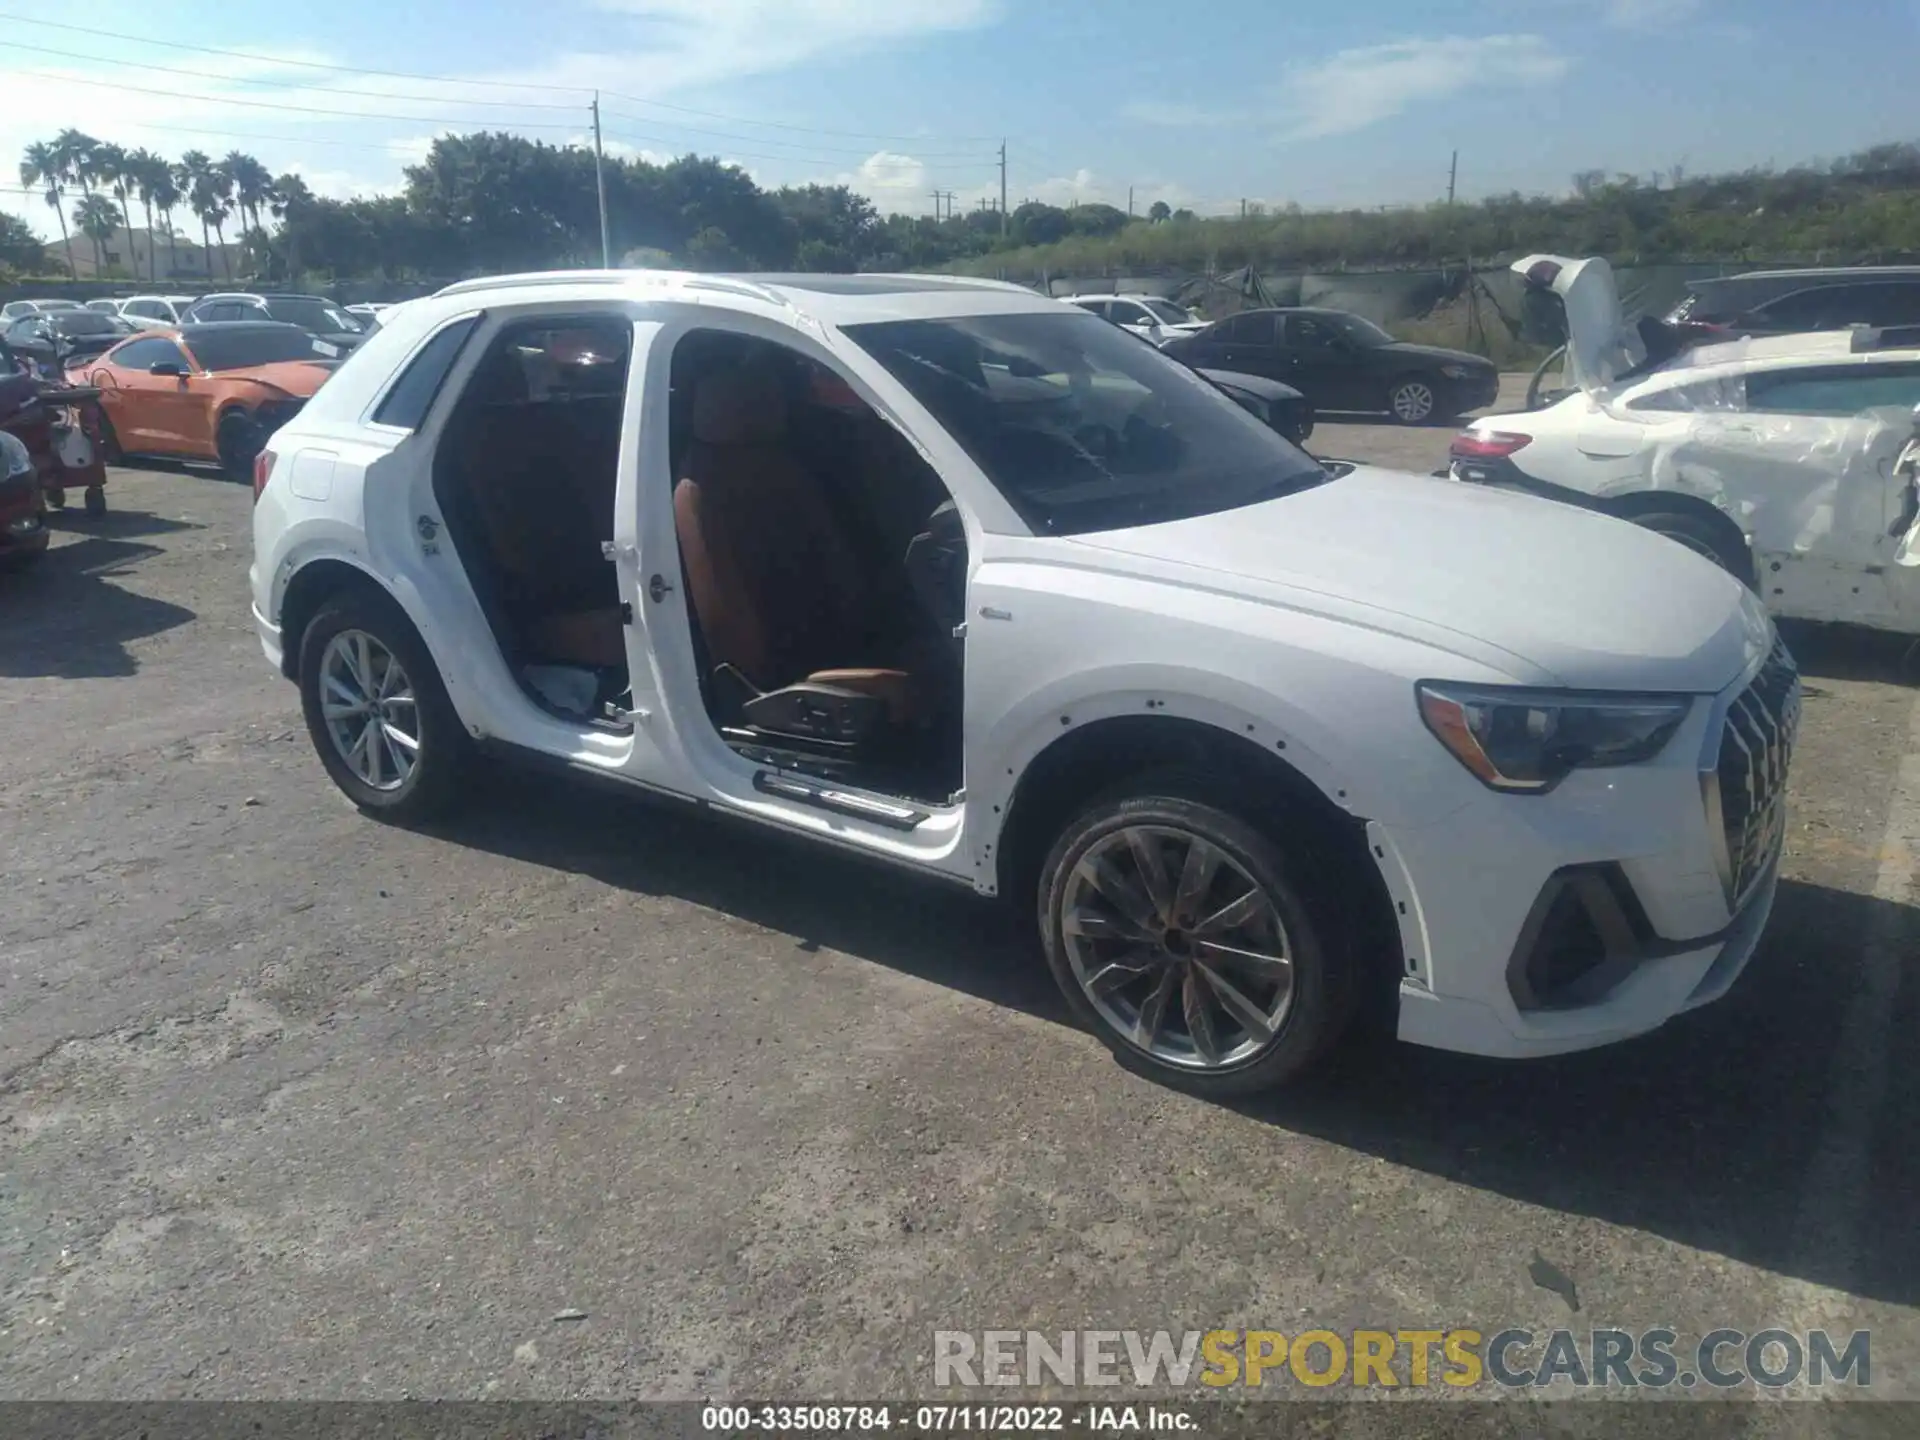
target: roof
<point>830,299</point>
<point>1836,346</point>
<point>193,329</point>
<point>1824,272</point>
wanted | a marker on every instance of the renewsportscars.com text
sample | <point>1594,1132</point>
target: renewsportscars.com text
<point>1459,1358</point>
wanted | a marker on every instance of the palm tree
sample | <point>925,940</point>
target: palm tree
<point>290,203</point>
<point>208,192</point>
<point>41,165</point>
<point>111,168</point>
<point>194,175</point>
<point>76,149</point>
<point>98,217</point>
<point>147,171</point>
<point>179,192</point>
<point>252,185</point>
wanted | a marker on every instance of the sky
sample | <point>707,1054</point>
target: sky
<point>1323,103</point>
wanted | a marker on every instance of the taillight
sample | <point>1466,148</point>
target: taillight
<point>1487,444</point>
<point>262,471</point>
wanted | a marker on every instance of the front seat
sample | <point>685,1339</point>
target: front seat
<point>783,604</point>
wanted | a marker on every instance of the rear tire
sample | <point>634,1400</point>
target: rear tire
<point>1702,537</point>
<point>361,650</point>
<point>1414,400</point>
<point>1218,1009</point>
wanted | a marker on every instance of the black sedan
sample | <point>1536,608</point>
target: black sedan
<point>1341,361</point>
<point>51,342</point>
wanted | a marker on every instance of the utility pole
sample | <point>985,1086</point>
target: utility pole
<point>1129,202</point>
<point>1453,174</point>
<point>1003,189</point>
<point>1243,209</point>
<point>600,188</point>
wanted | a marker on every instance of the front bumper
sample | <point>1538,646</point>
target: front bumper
<point>1537,925</point>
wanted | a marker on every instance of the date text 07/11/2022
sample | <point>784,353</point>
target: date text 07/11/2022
<point>945,1419</point>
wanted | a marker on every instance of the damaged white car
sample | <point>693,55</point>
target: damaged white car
<point>1788,460</point>
<point>950,575</point>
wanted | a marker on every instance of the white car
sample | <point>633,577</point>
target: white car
<point>156,312</point>
<point>1776,457</point>
<point>1148,316</point>
<point>942,573</point>
<point>20,309</point>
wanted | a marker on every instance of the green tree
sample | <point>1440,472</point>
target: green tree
<point>290,202</point>
<point>252,185</point>
<point>43,168</point>
<point>98,217</point>
<point>147,173</point>
<point>1159,211</point>
<point>20,249</point>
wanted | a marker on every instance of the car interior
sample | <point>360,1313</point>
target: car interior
<point>824,561</point>
<point>525,477</point>
<point>825,570</point>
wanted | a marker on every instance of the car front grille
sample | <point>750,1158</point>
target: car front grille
<point>1746,789</point>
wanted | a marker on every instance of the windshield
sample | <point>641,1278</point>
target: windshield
<point>239,349</point>
<point>1168,313</point>
<point>85,322</point>
<point>1359,330</point>
<point>1082,427</point>
<point>315,315</point>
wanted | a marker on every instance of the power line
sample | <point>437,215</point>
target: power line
<point>283,60</point>
<point>636,138</point>
<point>779,125</point>
<point>773,140</point>
<point>580,90</point>
<point>495,122</point>
<point>287,84</point>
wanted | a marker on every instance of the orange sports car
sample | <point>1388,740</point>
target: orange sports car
<point>205,392</point>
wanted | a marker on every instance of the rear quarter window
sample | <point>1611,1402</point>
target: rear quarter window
<point>410,396</point>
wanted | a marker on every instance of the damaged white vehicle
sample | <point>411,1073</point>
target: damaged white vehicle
<point>1788,460</point>
<point>961,579</point>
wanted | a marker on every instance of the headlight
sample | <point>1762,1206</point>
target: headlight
<point>1529,740</point>
<point>14,459</point>
<point>1457,372</point>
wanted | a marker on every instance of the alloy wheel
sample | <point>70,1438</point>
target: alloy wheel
<point>1176,946</point>
<point>367,702</point>
<point>1412,402</point>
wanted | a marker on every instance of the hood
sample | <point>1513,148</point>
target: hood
<point>298,378</point>
<point>1439,354</point>
<point>1548,593</point>
<point>1268,390</point>
<point>1600,343</point>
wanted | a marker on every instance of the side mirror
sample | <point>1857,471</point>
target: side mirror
<point>167,367</point>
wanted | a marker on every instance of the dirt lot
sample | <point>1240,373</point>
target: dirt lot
<point>297,1105</point>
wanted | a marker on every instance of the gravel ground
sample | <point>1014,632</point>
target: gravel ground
<point>294,1105</point>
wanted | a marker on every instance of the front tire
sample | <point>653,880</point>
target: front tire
<point>1178,934</point>
<point>377,711</point>
<point>238,441</point>
<point>1413,401</point>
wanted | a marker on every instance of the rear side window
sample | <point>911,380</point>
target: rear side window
<point>1125,312</point>
<point>1714,397</point>
<point>407,401</point>
<point>1839,390</point>
<point>1253,328</point>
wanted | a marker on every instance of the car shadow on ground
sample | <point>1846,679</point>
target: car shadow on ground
<point>65,618</point>
<point>1704,1133</point>
<point>1852,652</point>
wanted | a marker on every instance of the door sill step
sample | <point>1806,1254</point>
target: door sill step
<point>841,802</point>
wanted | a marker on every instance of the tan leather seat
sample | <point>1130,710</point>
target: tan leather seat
<point>776,586</point>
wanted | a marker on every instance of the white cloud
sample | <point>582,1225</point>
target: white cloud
<point>886,175</point>
<point>1355,89</point>
<point>647,48</point>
